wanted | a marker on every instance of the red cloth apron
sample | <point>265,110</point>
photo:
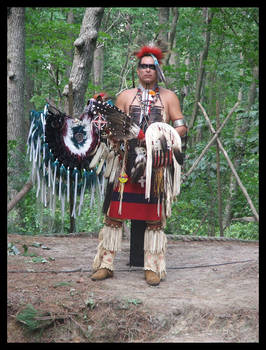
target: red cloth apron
<point>134,204</point>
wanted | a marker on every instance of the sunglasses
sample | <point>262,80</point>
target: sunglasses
<point>146,66</point>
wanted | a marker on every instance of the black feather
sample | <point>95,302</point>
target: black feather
<point>55,123</point>
<point>178,156</point>
<point>118,122</point>
<point>163,143</point>
<point>108,197</point>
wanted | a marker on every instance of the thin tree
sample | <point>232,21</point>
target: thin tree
<point>83,57</point>
<point>15,93</point>
<point>208,16</point>
<point>79,76</point>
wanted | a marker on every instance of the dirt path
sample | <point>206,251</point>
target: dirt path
<point>194,304</point>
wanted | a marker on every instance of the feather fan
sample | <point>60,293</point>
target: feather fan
<point>118,122</point>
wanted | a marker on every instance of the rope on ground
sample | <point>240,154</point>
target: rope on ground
<point>184,238</point>
<point>80,269</point>
<point>188,238</point>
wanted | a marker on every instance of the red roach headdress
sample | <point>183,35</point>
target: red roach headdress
<point>145,50</point>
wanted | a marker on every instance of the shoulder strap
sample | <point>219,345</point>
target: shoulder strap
<point>160,98</point>
<point>134,98</point>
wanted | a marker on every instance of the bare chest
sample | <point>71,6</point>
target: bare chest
<point>160,103</point>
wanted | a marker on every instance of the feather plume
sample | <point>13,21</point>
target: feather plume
<point>159,71</point>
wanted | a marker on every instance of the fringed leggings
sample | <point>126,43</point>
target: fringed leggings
<point>110,240</point>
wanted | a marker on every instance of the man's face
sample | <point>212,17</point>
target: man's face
<point>147,76</point>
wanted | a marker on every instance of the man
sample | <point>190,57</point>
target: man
<point>146,104</point>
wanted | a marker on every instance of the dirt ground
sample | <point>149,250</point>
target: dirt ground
<point>195,303</point>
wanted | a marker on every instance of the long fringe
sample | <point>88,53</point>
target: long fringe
<point>155,241</point>
<point>111,237</point>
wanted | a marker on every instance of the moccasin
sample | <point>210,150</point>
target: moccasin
<point>152,278</point>
<point>102,274</point>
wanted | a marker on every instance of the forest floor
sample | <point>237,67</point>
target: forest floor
<point>210,294</point>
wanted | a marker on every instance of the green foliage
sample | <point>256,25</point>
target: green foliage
<point>248,231</point>
<point>33,319</point>
<point>37,219</point>
<point>48,40</point>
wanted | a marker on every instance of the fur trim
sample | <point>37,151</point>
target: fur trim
<point>140,163</point>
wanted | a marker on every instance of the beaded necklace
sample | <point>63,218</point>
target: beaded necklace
<point>147,99</point>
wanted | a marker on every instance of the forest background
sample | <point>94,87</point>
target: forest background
<point>211,58</point>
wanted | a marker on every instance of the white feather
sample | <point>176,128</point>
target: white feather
<point>114,169</point>
<point>97,156</point>
<point>68,184</point>
<point>38,182</point>
<point>55,169</point>
<point>102,160</point>
<point>67,138</point>
<point>75,196</point>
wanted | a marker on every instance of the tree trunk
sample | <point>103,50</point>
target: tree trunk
<point>19,196</point>
<point>29,92</point>
<point>219,187</point>
<point>83,56</point>
<point>71,20</point>
<point>187,77</point>
<point>172,34</point>
<point>98,62</point>
<point>15,93</point>
<point>243,189</point>
<point>204,54</point>
<point>163,21</point>
<point>126,68</point>
<point>241,128</point>
<point>172,57</point>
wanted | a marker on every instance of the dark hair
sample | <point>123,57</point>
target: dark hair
<point>146,55</point>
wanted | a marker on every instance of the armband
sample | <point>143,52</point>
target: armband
<point>180,122</point>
